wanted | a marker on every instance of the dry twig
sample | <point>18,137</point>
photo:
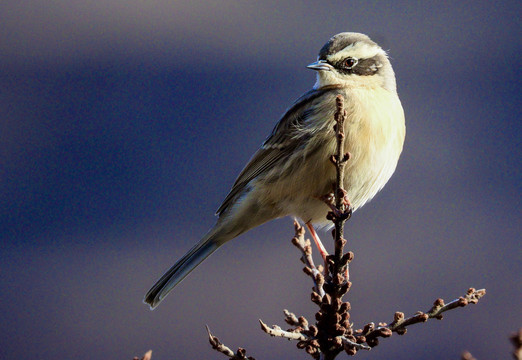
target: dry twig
<point>240,354</point>
<point>399,323</point>
<point>305,246</point>
<point>277,331</point>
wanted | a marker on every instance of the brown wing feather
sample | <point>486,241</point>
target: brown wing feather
<point>277,146</point>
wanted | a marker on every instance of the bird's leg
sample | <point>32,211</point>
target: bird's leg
<point>318,243</point>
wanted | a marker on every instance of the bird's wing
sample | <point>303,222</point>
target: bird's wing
<point>278,145</point>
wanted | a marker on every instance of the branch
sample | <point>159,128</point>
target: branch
<point>305,246</point>
<point>240,354</point>
<point>350,344</point>
<point>341,210</point>
<point>399,323</point>
<point>277,331</point>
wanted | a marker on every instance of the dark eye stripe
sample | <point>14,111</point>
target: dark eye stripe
<point>363,67</point>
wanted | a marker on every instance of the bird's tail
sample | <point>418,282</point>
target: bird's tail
<point>181,269</point>
<point>235,221</point>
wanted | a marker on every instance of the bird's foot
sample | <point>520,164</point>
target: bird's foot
<point>318,243</point>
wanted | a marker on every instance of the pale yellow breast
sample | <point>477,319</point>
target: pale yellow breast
<point>374,136</point>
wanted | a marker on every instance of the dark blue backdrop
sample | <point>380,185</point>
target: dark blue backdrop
<point>123,124</point>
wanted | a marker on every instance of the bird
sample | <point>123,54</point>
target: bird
<point>292,170</point>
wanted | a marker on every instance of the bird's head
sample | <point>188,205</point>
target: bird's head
<point>352,60</point>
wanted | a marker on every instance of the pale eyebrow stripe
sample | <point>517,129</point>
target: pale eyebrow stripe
<point>358,50</point>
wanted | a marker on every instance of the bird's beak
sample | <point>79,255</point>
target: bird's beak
<point>320,65</point>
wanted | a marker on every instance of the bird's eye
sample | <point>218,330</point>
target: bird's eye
<point>349,63</point>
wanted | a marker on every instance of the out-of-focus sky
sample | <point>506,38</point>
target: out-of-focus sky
<point>124,123</point>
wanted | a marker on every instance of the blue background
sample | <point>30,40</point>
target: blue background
<point>124,123</point>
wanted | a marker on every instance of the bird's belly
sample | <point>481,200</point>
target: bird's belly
<point>374,138</point>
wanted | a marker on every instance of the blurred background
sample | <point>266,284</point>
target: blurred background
<point>123,125</point>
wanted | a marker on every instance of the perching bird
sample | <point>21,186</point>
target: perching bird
<point>292,170</point>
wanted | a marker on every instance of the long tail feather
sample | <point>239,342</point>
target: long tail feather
<point>238,219</point>
<point>180,270</point>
